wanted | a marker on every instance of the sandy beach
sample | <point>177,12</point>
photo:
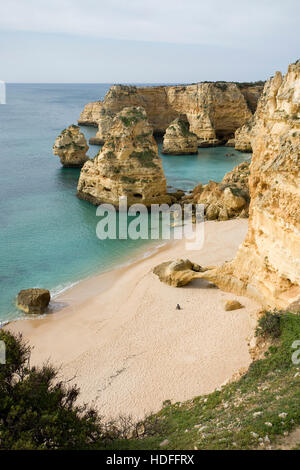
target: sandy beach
<point>128,347</point>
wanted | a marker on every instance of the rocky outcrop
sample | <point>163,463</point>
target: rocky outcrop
<point>243,136</point>
<point>252,93</point>
<point>213,110</point>
<point>238,177</point>
<point>267,265</point>
<point>127,165</point>
<point>33,300</point>
<point>178,140</point>
<point>90,115</point>
<point>228,199</point>
<point>177,273</point>
<point>71,147</point>
<point>230,143</point>
<point>232,305</point>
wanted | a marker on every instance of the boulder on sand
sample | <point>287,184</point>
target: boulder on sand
<point>178,273</point>
<point>33,300</point>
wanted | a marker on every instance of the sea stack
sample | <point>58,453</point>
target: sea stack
<point>178,140</point>
<point>127,165</point>
<point>71,147</point>
<point>267,265</point>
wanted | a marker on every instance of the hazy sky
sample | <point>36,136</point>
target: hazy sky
<point>157,41</point>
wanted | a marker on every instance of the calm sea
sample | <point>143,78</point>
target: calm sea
<point>47,236</point>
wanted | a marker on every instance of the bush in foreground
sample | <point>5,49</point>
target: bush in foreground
<point>37,411</point>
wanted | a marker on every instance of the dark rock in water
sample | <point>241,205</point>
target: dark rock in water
<point>33,300</point>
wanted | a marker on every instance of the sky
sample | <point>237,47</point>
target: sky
<point>142,41</point>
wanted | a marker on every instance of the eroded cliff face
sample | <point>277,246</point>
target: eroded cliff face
<point>242,141</point>
<point>71,147</point>
<point>267,265</point>
<point>214,110</point>
<point>127,165</point>
<point>90,114</point>
<point>178,140</point>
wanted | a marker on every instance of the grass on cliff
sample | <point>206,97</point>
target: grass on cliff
<point>255,412</point>
<point>145,158</point>
<point>133,116</point>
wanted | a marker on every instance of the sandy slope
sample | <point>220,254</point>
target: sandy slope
<point>128,346</point>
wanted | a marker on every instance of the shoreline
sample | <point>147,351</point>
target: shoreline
<point>119,334</point>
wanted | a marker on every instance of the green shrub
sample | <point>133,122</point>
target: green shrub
<point>37,410</point>
<point>269,325</point>
<point>145,158</point>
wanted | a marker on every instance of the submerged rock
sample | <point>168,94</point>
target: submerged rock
<point>33,300</point>
<point>178,140</point>
<point>127,165</point>
<point>71,147</point>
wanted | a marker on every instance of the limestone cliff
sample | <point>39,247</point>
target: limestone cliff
<point>252,93</point>
<point>90,114</point>
<point>245,133</point>
<point>213,110</point>
<point>242,139</point>
<point>71,147</point>
<point>178,140</point>
<point>267,265</point>
<point>127,165</point>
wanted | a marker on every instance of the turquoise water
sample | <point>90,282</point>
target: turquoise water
<point>47,236</point>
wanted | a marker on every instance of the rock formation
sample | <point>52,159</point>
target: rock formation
<point>232,305</point>
<point>127,165</point>
<point>213,110</point>
<point>225,200</point>
<point>178,140</point>
<point>267,265</point>
<point>230,143</point>
<point>251,92</point>
<point>33,300</point>
<point>243,136</point>
<point>177,273</point>
<point>90,114</point>
<point>71,147</point>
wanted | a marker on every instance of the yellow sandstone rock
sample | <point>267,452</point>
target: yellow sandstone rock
<point>127,165</point>
<point>267,265</point>
<point>232,305</point>
<point>177,273</point>
<point>71,147</point>
<point>178,140</point>
<point>227,199</point>
<point>213,110</point>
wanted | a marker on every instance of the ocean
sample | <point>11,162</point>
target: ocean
<point>48,236</point>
